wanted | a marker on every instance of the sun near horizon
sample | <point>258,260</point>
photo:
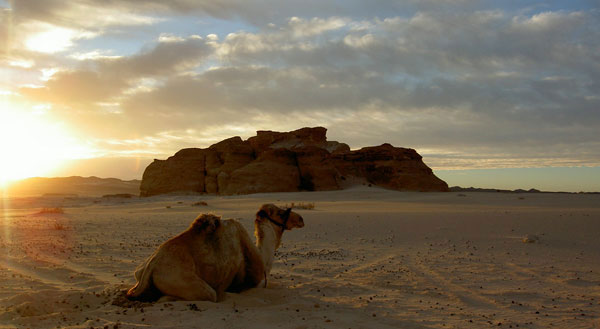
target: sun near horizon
<point>33,144</point>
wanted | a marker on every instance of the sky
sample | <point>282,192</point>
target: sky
<point>479,88</point>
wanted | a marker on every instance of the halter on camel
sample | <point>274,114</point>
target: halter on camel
<point>285,216</point>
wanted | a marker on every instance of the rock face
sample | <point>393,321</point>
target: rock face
<point>300,160</point>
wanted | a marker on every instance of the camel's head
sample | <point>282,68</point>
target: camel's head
<point>285,218</point>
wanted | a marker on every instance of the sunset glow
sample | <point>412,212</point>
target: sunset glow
<point>32,145</point>
<point>470,85</point>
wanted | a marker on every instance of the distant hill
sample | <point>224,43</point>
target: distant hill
<point>72,186</point>
<point>476,189</point>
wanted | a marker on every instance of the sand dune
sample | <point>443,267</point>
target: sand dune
<point>367,258</point>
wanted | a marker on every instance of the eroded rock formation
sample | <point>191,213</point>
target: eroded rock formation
<point>300,160</point>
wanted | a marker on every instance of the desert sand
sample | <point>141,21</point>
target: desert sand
<point>367,258</point>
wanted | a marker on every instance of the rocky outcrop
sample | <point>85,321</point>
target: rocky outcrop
<point>390,167</point>
<point>275,170</point>
<point>300,160</point>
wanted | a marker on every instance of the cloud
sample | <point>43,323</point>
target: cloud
<point>97,54</point>
<point>89,15</point>
<point>167,57</point>
<point>302,27</point>
<point>488,84</point>
<point>46,38</point>
<point>74,88</point>
<point>107,78</point>
<point>38,29</point>
<point>258,13</point>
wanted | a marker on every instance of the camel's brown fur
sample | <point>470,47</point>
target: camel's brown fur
<point>213,256</point>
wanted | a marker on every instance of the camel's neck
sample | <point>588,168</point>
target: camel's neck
<point>268,238</point>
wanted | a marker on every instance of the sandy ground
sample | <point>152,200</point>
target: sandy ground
<point>367,258</point>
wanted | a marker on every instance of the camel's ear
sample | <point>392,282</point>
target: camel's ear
<point>262,214</point>
<point>286,213</point>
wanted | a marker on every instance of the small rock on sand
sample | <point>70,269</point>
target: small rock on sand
<point>530,238</point>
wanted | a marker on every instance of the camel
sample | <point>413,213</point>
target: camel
<point>213,256</point>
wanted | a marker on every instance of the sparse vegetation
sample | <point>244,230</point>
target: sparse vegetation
<point>56,210</point>
<point>200,203</point>
<point>119,195</point>
<point>59,227</point>
<point>300,205</point>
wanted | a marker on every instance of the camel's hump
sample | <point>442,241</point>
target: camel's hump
<point>206,223</point>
